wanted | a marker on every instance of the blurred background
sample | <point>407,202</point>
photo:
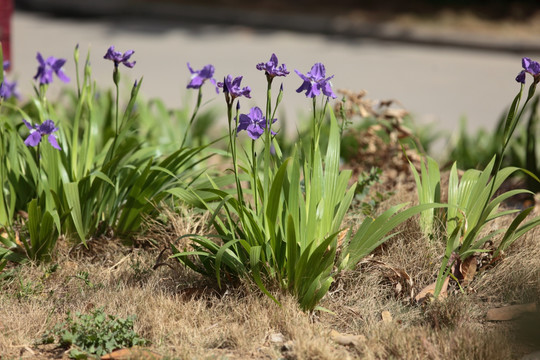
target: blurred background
<point>442,60</point>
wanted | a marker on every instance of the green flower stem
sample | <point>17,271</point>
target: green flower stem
<point>255,176</point>
<point>116,80</point>
<point>498,163</point>
<point>3,177</point>
<point>195,111</point>
<point>232,142</point>
<point>267,143</point>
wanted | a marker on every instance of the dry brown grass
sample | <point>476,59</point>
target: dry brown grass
<point>185,316</point>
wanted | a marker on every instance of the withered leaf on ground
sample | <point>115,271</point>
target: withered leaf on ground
<point>132,353</point>
<point>468,270</point>
<point>430,290</point>
<point>386,316</point>
<point>346,339</point>
<point>510,312</point>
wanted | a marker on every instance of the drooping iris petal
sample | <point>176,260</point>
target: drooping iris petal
<point>33,139</point>
<point>53,142</point>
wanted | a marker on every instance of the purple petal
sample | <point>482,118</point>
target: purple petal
<point>57,64</point>
<point>326,88</point>
<point>33,139</point>
<point>110,54</point>
<point>254,131</point>
<point>47,127</point>
<point>53,142</point>
<point>302,76</point>
<point>190,69</point>
<point>195,83</point>
<point>28,125</point>
<point>256,113</point>
<point>318,71</point>
<point>213,81</point>
<point>521,77</point>
<point>62,76</point>
<point>40,59</point>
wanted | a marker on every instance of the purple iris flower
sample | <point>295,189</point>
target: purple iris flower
<point>272,69</point>
<point>38,131</point>
<point>531,67</point>
<point>8,90</point>
<point>232,87</point>
<point>48,67</point>
<point>6,64</point>
<point>254,123</point>
<point>118,57</point>
<point>198,77</point>
<point>315,82</point>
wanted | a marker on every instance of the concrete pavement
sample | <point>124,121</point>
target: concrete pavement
<point>437,84</point>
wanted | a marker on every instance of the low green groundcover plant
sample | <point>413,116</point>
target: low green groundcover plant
<point>94,334</point>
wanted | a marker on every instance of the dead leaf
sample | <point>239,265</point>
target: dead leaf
<point>132,354</point>
<point>430,290</point>
<point>468,269</point>
<point>276,338</point>
<point>386,317</point>
<point>509,312</point>
<point>346,339</point>
<point>402,281</point>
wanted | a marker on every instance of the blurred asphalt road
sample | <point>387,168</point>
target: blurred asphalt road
<point>436,84</point>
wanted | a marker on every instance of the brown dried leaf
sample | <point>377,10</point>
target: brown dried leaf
<point>386,317</point>
<point>430,290</point>
<point>132,353</point>
<point>468,269</point>
<point>346,339</point>
<point>509,312</point>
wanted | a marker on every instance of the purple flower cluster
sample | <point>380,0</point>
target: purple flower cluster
<point>254,123</point>
<point>531,67</point>
<point>119,58</point>
<point>232,87</point>
<point>38,131</point>
<point>48,67</point>
<point>316,81</point>
<point>198,77</point>
<point>271,68</point>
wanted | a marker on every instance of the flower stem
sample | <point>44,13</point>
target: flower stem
<point>255,176</point>
<point>195,111</point>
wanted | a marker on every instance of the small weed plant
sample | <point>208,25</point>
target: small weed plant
<point>94,334</point>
